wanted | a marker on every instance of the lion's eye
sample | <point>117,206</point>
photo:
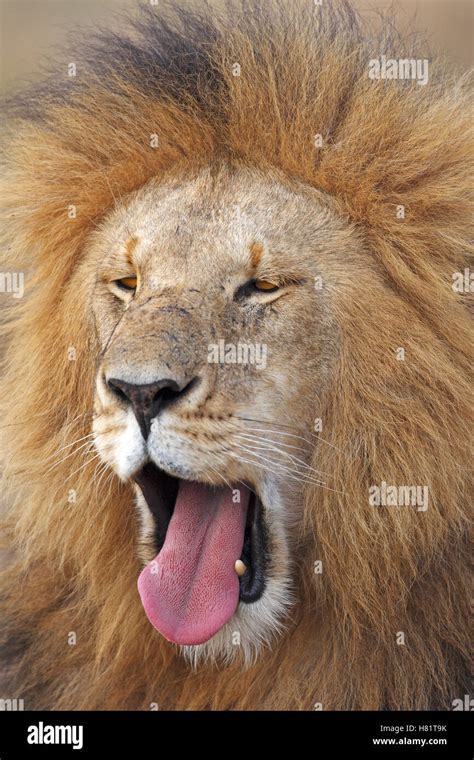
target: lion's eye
<point>254,287</point>
<point>127,283</point>
<point>265,285</point>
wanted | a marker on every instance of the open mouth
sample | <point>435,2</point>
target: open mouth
<point>211,548</point>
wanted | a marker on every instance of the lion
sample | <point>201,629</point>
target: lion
<point>235,397</point>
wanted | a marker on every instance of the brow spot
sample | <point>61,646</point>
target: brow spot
<point>129,249</point>
<point>256,252</point>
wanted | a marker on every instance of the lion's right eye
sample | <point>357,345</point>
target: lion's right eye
<point>127,283</point>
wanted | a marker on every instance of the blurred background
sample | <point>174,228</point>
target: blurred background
<point>30,28</point>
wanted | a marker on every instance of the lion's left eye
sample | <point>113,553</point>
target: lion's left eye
<point>254,288</point>
<point>127,283</point>
<point>265,285</point>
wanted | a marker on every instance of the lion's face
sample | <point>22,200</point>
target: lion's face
<point>213,306</point>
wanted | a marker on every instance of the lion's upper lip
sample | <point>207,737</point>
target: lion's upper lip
<point>254,552</point>
<point>161,490</point>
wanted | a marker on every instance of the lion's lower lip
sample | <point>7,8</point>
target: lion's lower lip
<point>160,491</point>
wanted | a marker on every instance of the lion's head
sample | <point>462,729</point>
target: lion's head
<point>212,298</point>
<point>239,324</point>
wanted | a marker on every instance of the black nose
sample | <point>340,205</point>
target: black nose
<point>149,399</point>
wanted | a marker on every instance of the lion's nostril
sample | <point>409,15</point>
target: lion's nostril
<point>149,399</point>
<point>117,391</point>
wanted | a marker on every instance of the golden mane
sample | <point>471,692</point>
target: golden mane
<point>85,143</point>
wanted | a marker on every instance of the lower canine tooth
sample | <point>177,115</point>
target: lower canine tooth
<point>239,567</point>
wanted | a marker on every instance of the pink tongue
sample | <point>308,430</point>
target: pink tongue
<point>190,590</point>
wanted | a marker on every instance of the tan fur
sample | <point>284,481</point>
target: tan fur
<point>385,571</point>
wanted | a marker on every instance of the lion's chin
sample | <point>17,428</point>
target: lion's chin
<point>211,555</point>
